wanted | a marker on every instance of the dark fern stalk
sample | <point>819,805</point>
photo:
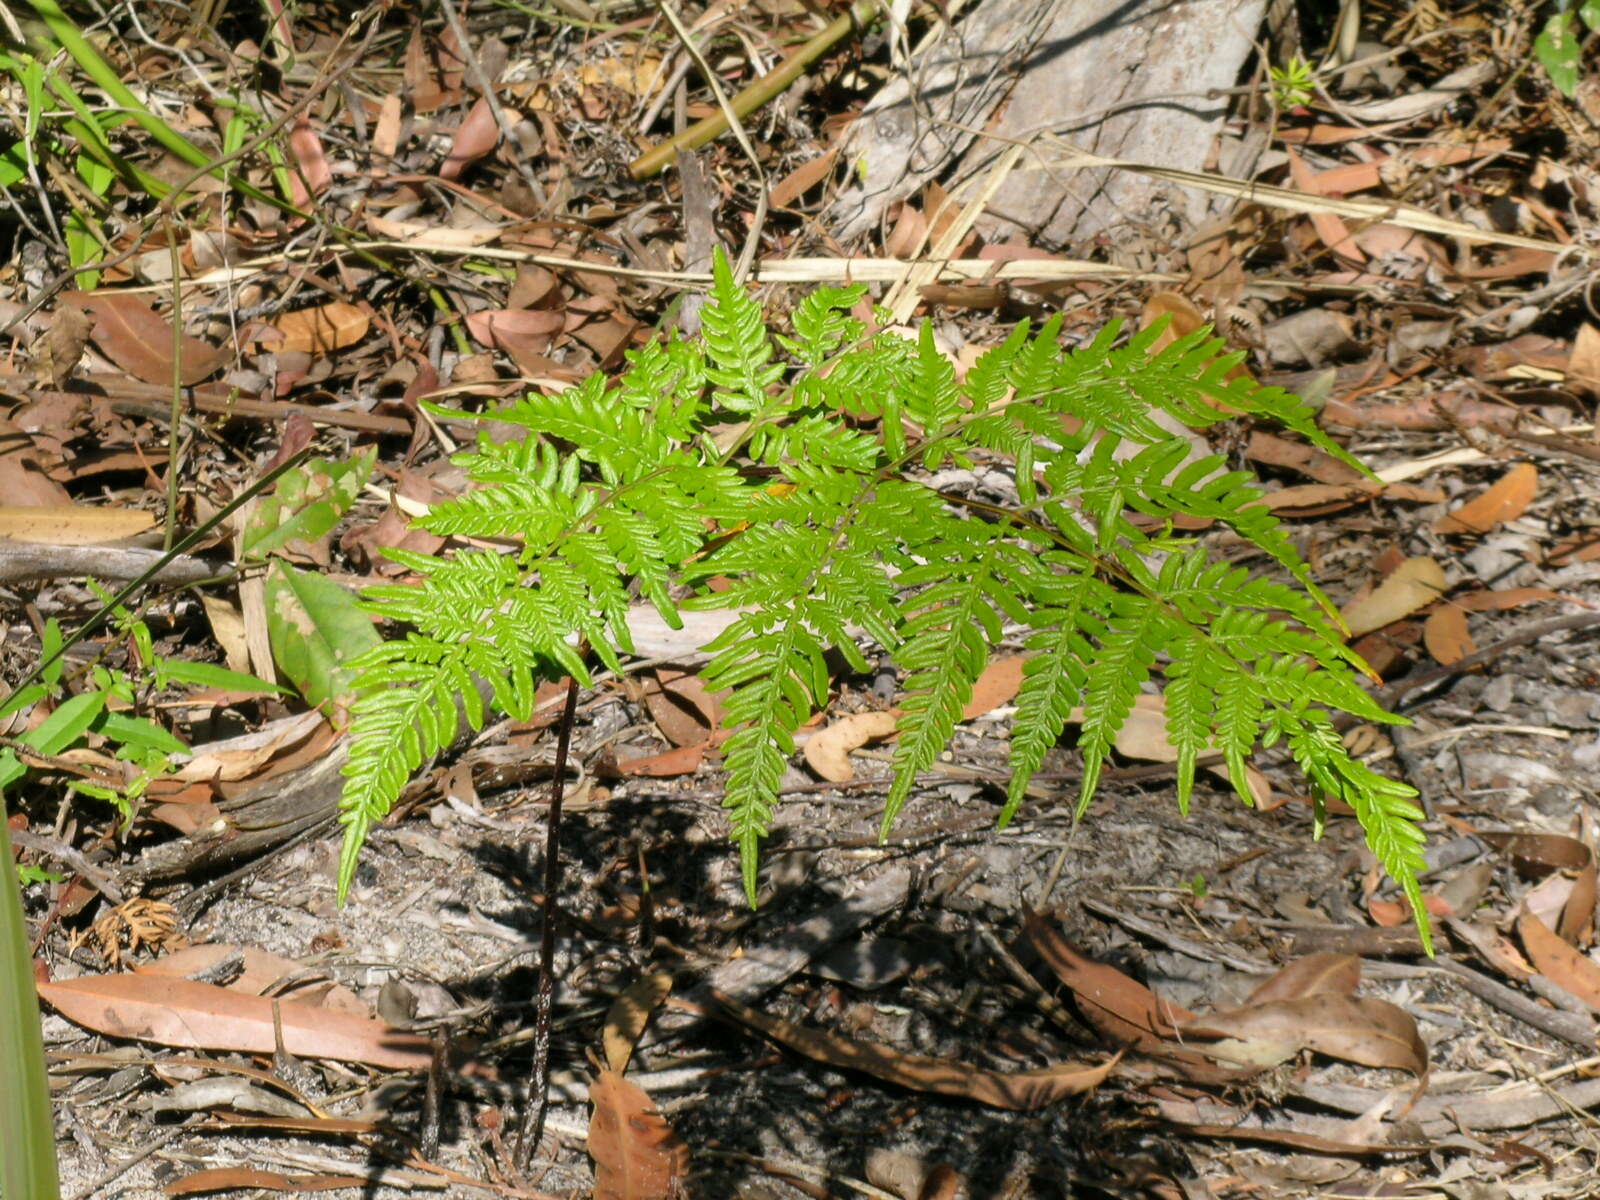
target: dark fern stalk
<point>800,484</point>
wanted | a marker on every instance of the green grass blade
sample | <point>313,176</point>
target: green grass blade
<point>28,1166</point>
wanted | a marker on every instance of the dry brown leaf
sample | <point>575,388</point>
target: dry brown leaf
<point>478,135</point>
<point>1537,855</point>
<point>323,328</point>
<point>680,760</point>
<point>910,1177</point>
<point>1416,582</point>
<point>312,174</point>
<point>1446,635</point>
<point>629,1014</point>
<point>526,334</point>
<point>1016,1091</point>
<point>386,130</point>
<point>1583,365</point>
<point>1186,317</point>
<point>1371,1032</point>
<point>72,524</point>
<point>1492,601</point>
<point>999,684</point>
<point>828,751</point>
<point>229,1179</point>
<point>261,972</point>
<point>139,340</point>
<point>1330,228</point>
<point>433,234</point>
<point>241,757</point>
<point>803,178</point>
<point>56,354</point>
<point>1559,961</point>
<point>182,1012</point>
<point>636,1154</point>
<point>227,626</point>
<point>1313,975</point>
<point>1507,500</point>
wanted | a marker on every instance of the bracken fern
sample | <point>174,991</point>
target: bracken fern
<point>795,472</point>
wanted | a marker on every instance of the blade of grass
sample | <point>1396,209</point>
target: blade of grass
<point>28,1166</point>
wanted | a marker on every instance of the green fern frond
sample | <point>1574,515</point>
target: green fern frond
<point>813,515</point>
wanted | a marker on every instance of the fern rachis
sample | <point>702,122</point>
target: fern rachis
<point>795,491</point>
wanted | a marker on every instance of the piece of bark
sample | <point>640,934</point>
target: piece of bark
<point>1113,80</point>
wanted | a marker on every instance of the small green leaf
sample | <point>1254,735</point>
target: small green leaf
<point>67,724</point>
<point>1557,49</point>
<point>316,628</point>
<point>208,675</point>
<point>139,733</point>
<point>1590,12</point>
<point>308,503</point>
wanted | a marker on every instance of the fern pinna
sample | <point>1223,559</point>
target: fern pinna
<point>796,472</point>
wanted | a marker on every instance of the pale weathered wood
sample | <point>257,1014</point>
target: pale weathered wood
<point>1123,81</point>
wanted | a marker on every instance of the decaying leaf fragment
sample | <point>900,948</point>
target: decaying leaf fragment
<point>828,752</point>
<point>1414,583</point>
<point>636,1154</point>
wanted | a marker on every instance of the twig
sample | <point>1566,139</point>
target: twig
<point>659,157</point>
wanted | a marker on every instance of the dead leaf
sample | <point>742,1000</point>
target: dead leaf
<point>312,174</point>
<point>1416,582</point>
<point>680,760</point>
<point>998,685</point>
<point>241,757</point>
<point>1312,975</point>
<point>1357,1029</point>
<point>629,1014</point>
<point>1537,855</point>
<point>72,524</point>
<point>1446,635</point>
<point>523,333</point>
<point>1559,961</point>
<point>386,130</point>
<point>139,340</point>
<point>322,328</point>
<point>1186,317</point>
<point>803,178</point>
<point>261,972</point>
<point>227,626</point>
<point>682,709</point>
<point>828,751</point>
<point>1507,500</point>
<point>1331,229</point>
<point>227,1179</point>
<point>910,1177</point>
<point>1583,365</point>
<point>56,354</point>
<point>478,135</point>
<point>181,1012</point>
<point>1016,1091</point>
<point>1492,601</point>
<point>636,1154</point>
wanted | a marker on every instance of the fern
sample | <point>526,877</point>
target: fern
<point>794,472</point>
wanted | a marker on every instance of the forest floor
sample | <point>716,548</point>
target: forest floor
<point>1423,276</point>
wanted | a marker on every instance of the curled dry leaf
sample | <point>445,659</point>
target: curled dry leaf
<point>1357,1029</point>
<point>629,1014</point>
<point>1537,855</point>
<point>322,329</point>
<point>828,752</point>
<point>1446,635</point>
<point>1507,500</point>
<point>1016,1091</point>
<point>1416,582</point>
<point>1558,961</point>
<point>56,354</point>
<point>182,1012</point>
<point>1312,975</point>
<point>636,1154</point>
<point>477,136</point>
<point>910,1177</point>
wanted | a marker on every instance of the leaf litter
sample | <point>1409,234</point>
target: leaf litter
<point>1463,367</point>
